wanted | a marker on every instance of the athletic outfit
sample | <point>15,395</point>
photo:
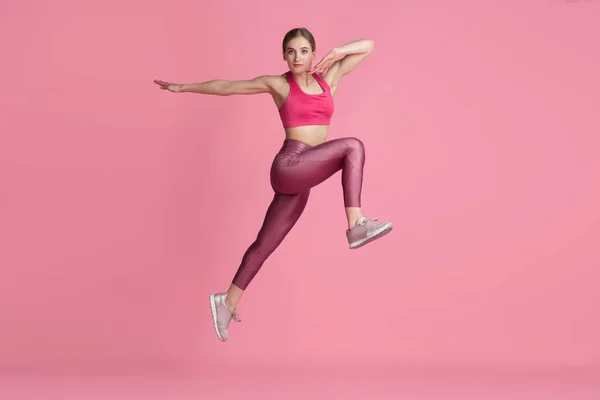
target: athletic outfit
<point>296,168</point>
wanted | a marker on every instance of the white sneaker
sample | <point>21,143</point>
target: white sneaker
<point>222,316</point>
<point>366,230</point>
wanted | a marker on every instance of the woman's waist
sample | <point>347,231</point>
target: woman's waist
<point>312,134</point>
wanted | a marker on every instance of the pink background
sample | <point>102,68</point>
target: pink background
<point>122,207</point>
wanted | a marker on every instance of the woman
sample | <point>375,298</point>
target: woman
<point>304,98</point>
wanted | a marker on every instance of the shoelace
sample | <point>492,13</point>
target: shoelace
<point>233,316</point>
<point>369,221</point>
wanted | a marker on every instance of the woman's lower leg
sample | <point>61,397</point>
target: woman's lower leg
<point>282,214</point>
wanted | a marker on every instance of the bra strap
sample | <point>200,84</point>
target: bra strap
<point>291,80</point>
<point>324,84</point>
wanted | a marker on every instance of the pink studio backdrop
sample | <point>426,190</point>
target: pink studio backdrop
<point>122,207</point>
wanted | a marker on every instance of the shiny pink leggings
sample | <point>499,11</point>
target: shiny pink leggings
<point>297,168</point>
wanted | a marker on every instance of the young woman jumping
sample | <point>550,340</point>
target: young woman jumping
<point>304,98</point>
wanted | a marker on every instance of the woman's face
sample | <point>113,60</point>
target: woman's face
<point>299,55</point>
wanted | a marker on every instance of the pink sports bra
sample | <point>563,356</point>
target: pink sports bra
<point>301,108</point>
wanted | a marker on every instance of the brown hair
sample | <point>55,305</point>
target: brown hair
<point>299,32</point>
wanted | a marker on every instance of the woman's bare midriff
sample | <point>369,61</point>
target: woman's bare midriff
<point>310,134</point>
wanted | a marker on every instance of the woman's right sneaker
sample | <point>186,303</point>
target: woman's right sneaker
<point>366,230</point>
<point>221,315</point>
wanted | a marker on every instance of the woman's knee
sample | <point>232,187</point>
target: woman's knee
<point>356,144</point>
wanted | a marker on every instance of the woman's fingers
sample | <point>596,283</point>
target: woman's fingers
<point>161,83</point>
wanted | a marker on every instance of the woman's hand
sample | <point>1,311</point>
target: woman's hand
<point>171,87</point>
<point>326,62</point>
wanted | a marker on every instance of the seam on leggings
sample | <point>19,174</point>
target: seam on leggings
<point>305,161</point>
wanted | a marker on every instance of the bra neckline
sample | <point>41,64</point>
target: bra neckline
<point>317,78</point>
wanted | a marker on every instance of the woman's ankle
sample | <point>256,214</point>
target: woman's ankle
<point>352,223</point>
<point>353,214</point>
<point>233,296</point>
<point>231,307</point>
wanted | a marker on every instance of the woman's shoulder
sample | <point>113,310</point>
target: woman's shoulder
<point>278,81</point>
<point>274,80</point>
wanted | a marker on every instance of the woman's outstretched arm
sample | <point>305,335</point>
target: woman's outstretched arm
<point>222,87</point>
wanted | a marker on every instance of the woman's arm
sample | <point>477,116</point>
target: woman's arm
<point>342,60</point>
<point>222,87</point>
<point>360,47</point>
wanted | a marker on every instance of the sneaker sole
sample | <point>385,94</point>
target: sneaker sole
<point>384,230</point>
<point>213,310</point>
